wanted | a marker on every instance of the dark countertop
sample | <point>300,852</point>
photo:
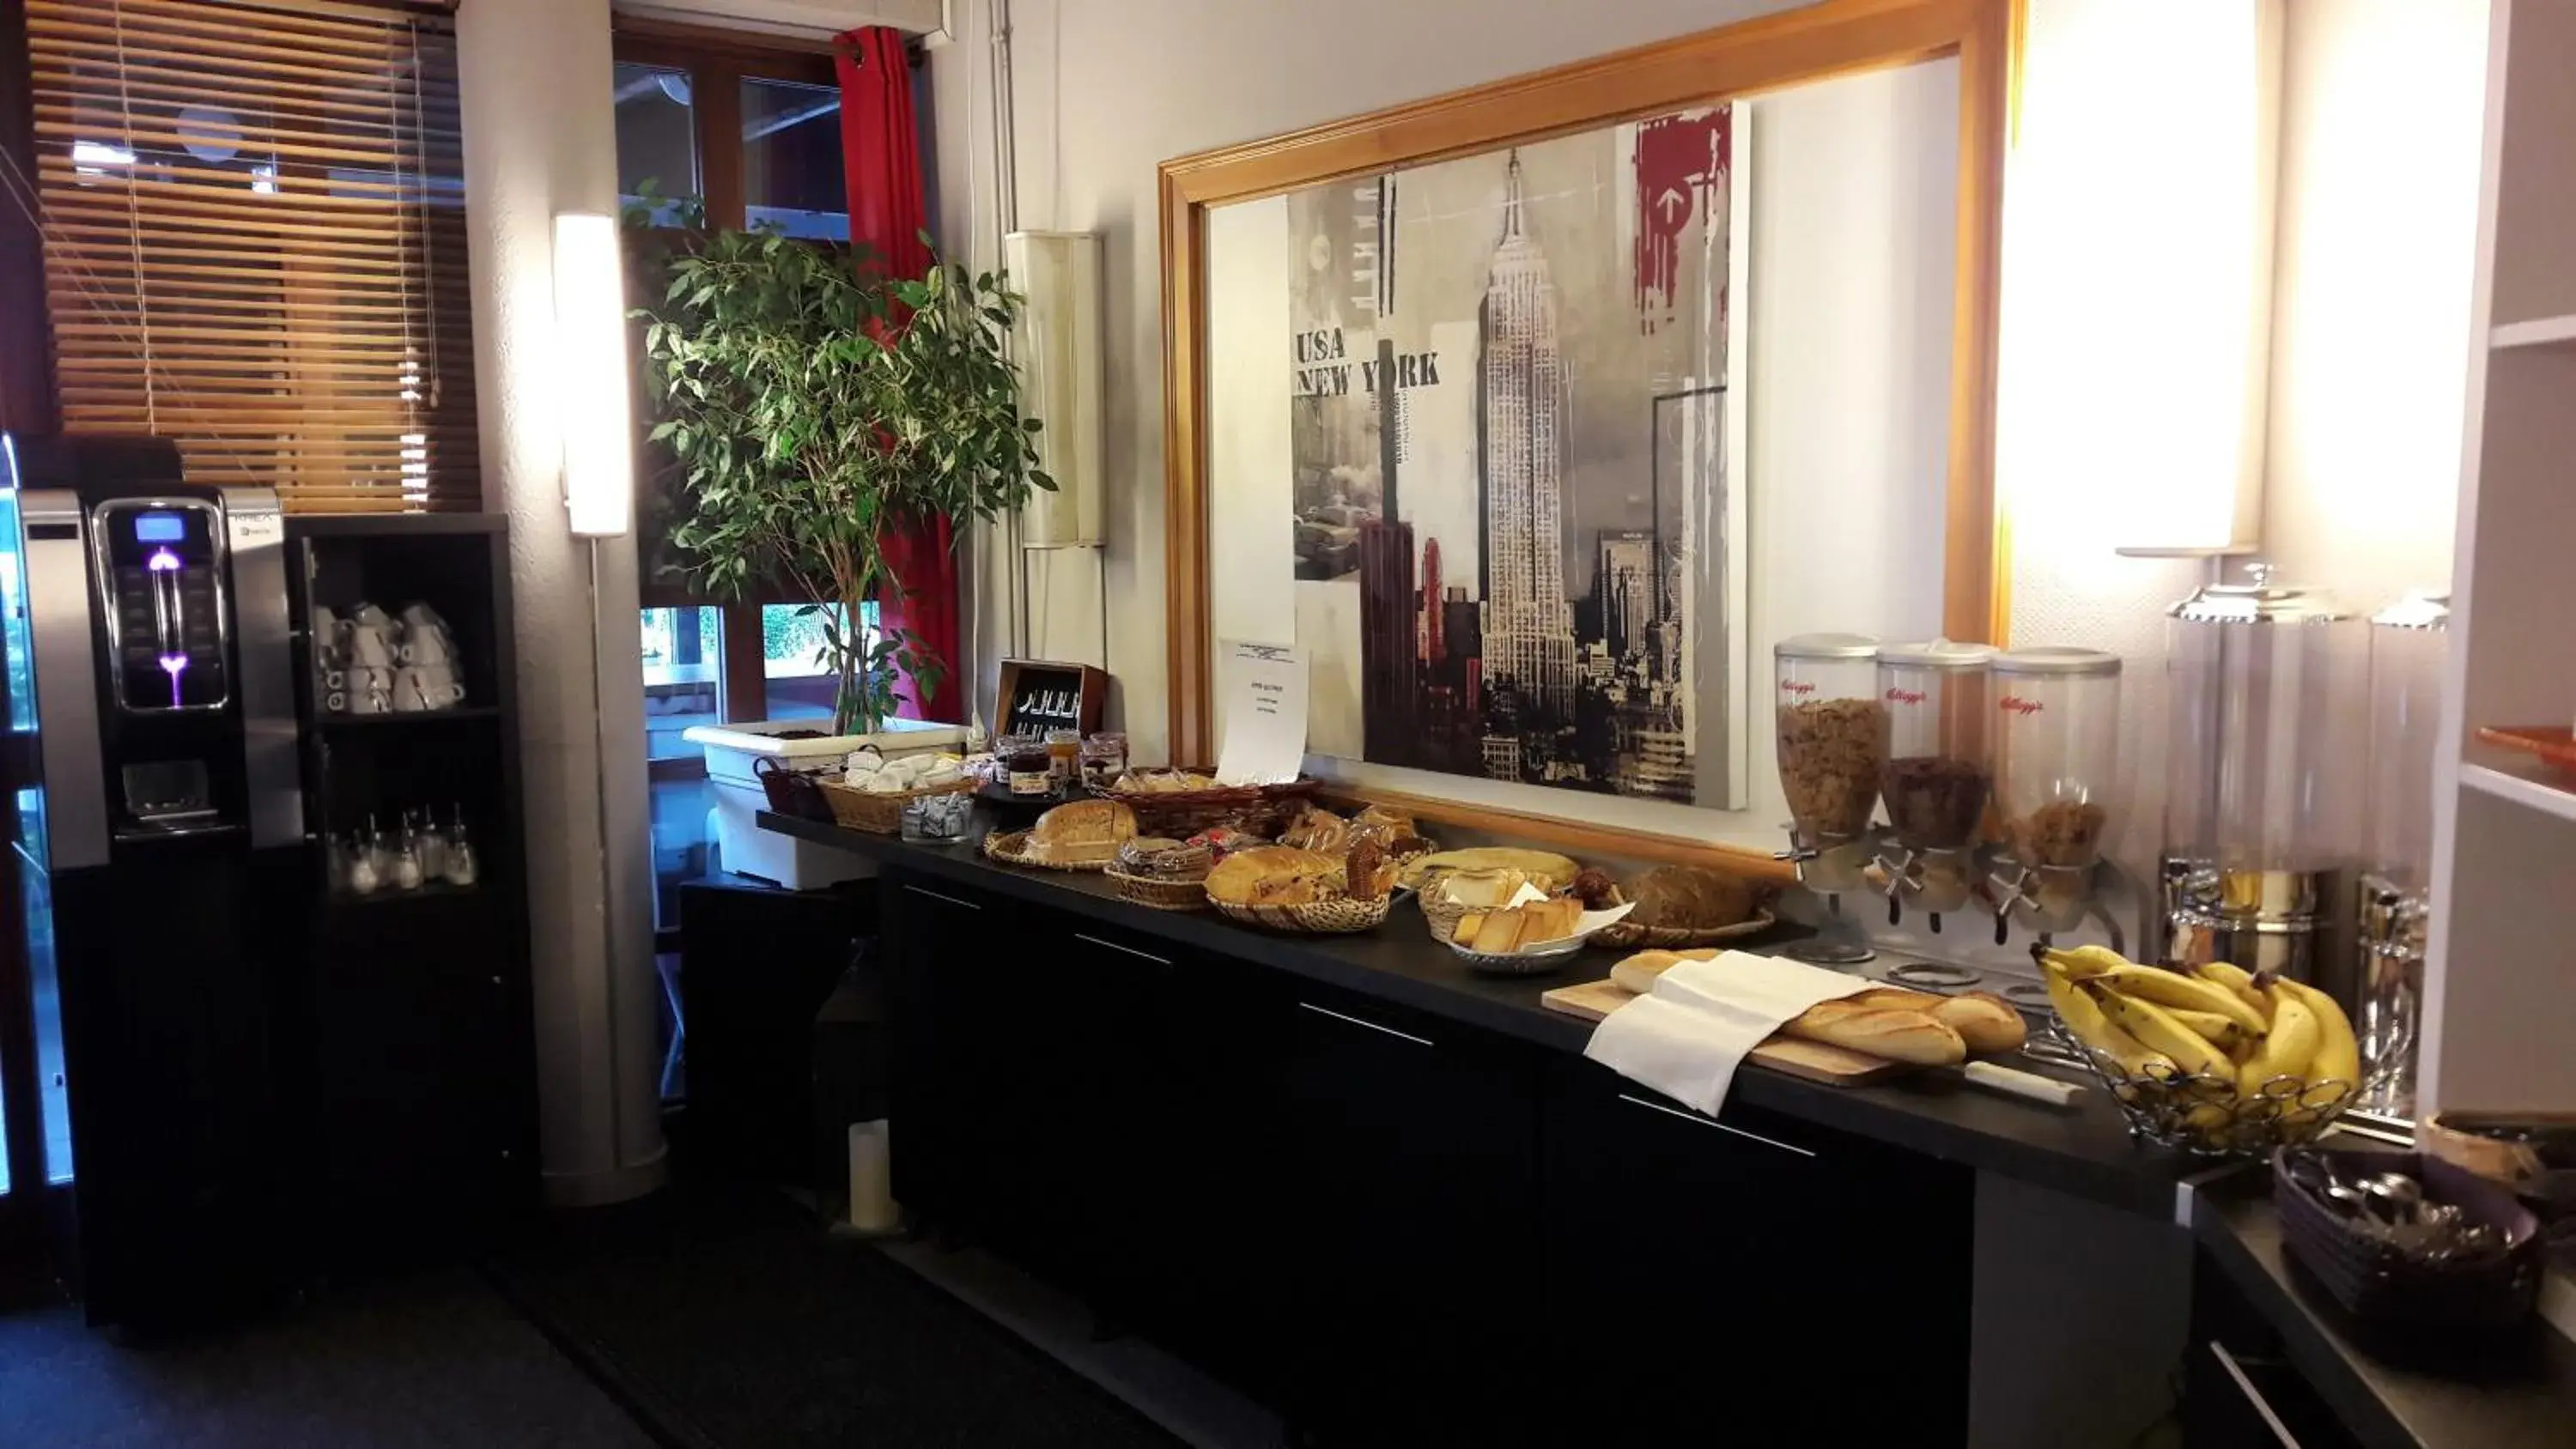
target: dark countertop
<point>2518,1392</point>
<point>2083,1150</point>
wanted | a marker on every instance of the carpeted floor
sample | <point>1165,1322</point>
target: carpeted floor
<point>435,1360</point>
<point>725,1318</point>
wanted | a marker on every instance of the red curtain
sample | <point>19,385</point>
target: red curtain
<point>883,156</point>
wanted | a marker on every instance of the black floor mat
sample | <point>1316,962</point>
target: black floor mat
<point>725,1319</point>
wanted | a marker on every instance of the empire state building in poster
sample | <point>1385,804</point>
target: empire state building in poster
<point>1507,417</point>
<point>1528,625</point>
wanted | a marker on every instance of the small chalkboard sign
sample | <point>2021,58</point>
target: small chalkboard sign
<point>1037,695</point>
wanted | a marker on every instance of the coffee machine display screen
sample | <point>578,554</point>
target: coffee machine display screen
<point>160,528</point>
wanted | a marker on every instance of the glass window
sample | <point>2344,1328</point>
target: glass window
<point>680,678</point>
<point>799,673</point>
<point>791,160</point>
<point>657,137</point>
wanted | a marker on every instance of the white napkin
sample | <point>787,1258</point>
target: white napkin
<point>1687,1036</point>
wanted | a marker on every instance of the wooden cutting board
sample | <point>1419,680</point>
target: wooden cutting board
<point>1814,1060</point>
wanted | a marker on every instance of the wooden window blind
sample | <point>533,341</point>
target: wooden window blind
<point>254,227</point>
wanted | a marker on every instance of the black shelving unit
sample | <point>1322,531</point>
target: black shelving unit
<point>421,1115</point>
<point>404,719</point>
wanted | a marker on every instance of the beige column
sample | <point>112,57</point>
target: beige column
<point>540,138</point>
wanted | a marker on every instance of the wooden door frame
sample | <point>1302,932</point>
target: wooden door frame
<point>1812,43</point>
<point>717,63</point>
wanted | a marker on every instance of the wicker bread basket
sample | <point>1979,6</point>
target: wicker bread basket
<point>880,812</point>
<point>1011,847</point>
<point>1318,918</point>
<point>1256,810</point>
<point>1162,895</point>
<point>1621,936</point>
<point>1442,914</point>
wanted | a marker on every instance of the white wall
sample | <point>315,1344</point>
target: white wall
<point>2381,108</point>
<point>1105,91</point>
<point>2374,220</point>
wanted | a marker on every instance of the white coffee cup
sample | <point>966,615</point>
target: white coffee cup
<point>427,646</point>
<point>419,688</point>
<point>366,644</point>
<point>419,617</point>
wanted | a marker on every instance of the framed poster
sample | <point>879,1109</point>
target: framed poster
<point>1473,373</point>
<point>1511,412</point>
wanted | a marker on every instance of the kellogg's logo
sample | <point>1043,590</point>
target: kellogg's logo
<point>1906,696</point>
<point>1796,686</point>
<point>2015,704</point>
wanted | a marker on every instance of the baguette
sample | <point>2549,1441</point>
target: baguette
<point>1636,974</point>
<point>1985,1021</point>
<point>1897,1033</point>
<point>1883,1021</point>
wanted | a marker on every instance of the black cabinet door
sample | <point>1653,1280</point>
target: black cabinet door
<point>1410,1186</point>
<point>423,1073</point>
<point>1704,1271</point>
<point>941,938</point>
<point>2240,1391</point>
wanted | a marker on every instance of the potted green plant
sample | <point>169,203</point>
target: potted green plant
<point>809,405</point>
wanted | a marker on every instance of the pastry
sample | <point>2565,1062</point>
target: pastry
<point>1162,782</point>
<point>1318,830</point>
<point>1503,932</point>
<point>1153,857</point>
<point>1483,889</point>
<point>1546,869</point>
<point>1597,890</point>
<point>1086,832</point>
<point>1392,821</point>
<point>1688,898</point>
<point>1276,875</point>
<point>1367,873</point>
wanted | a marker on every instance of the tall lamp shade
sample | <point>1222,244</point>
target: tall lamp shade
<point>591,375</point>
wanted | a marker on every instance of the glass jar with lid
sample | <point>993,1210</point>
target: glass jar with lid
<point>2252,670</point>
<point>2409,646</point>
<point>1831,732</point>
<point>1938,766</point>
<point>2057,746</point>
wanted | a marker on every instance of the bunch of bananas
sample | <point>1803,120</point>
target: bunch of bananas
<point>2264,1036</point>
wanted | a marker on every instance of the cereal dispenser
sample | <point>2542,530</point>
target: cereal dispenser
<point>2248,864</point>
<point>1832,730</point>
<point>2057,746</point>
<point>2409,641</point>
<point>1937,770</point>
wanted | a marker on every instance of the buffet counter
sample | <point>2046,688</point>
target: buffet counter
<point>1418,1178</point>
<point>2084,1151</point>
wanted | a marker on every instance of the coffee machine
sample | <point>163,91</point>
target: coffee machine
<point>160,844</point>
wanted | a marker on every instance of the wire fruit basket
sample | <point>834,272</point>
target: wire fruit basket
<point>2209,1116</point>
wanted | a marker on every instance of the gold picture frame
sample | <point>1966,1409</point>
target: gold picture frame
<point>1814,42</point>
